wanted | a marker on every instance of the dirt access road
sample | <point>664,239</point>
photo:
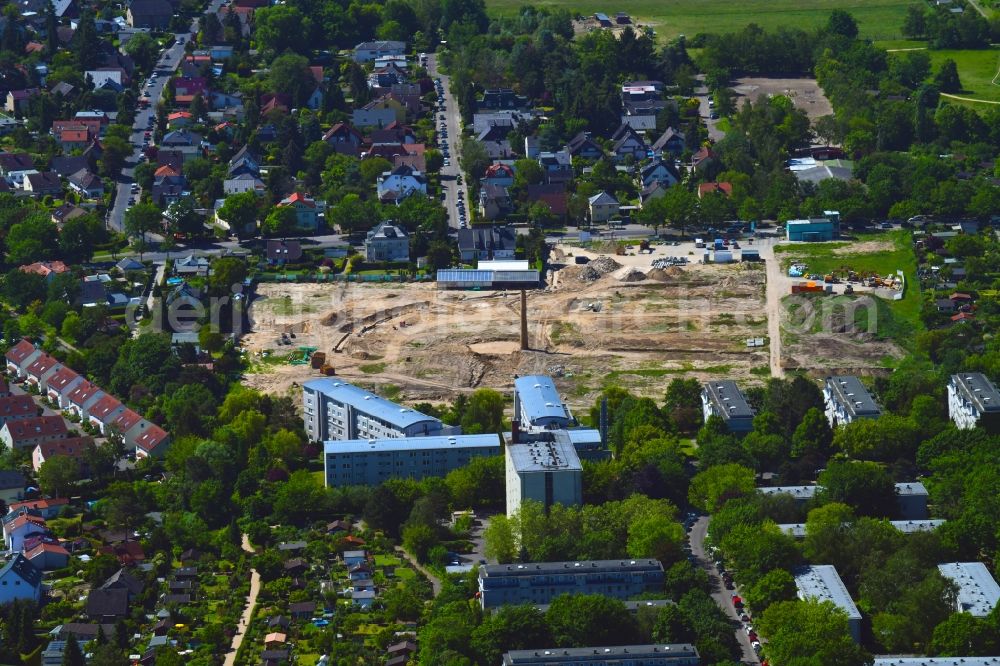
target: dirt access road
<point>774,290</point>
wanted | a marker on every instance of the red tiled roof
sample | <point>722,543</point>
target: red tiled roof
<point>46,548</point>
<point>74,135</point>
<point>152,437</point>
<point>19,352</point>
<point>298,197</point>
<point>73,447</point>
<point>40,426</point>
<point>38,504</point>
<point>83,392</point>
<point>23,520</point>
<point>126,420</point>
<point>61,379</point>
<point>44,268</point>
<point>17,405</point>
<point>105,406</point>
<point>41,365</point>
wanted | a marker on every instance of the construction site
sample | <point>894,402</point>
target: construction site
<point>633,320</point>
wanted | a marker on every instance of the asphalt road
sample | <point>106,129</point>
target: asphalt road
<point>705,111</point>
<point>169,60</point>
<point>453,124</point>
<point>722,596</point>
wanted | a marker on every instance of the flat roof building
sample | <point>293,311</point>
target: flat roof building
<point>798,530</point>
<point>973,400</point>
<point>544,470</point>
<point>626,655</point>
<point>537,404</point>
<point>632,606</point>
<point>364,462</point>
<point>822,583</point>
<point>846,399</point>
<point>911,497</point>
<point>725,400</point>
<point>490,275</point>
<point>336,410</point>
<point>541,582</point>
<point>813,230</point>
<point>978,592</point>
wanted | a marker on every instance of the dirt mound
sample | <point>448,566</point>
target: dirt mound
<point>604,265</point>
<point>632,274</point>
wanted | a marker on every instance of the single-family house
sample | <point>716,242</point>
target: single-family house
<point>387,242</point>
<point>103,412</point>
<point>168,190</point>
<point>274,639</point>
<point>306,210</point>
<point>244,162</point>
<point>670,144</point>
<point>494,202</point>
<point>353,558</point>
<point>244,182</point>
<point>486,242</point>
<point>628,144</point>
<point>47,508</point>
<point>43,183</point>
<point>344,139</point>
<point>369,51</point>
<point>702,159</point>
<point>18,100</point>
<point>583,146</point>
<point>378,115</point>
<point>11,163</point>
<point>363,599</point>
<point>71,447</point>
<point>302,610</point>
<point>47,556</point>
<point>659,171</point>
<point>41,369</point>
<point>395,185</point>
<point>107,78</point>
<point>17,528</point>
<point>179,119</point>
<point>152,14</point>
<point>152,442</point>
<point>107,605</point>
<point>11,486</point>
<point>726,189</point>
<point>282,251</point>
<point>66,165</point>
<point>59,385</point>
<point>602,207</point>
<point>20,356</point>
<point>552,195</point>
<point>557,166</point>
<point>82,397</point>
<point>65,213</point>
<point>83,632</point>
<point>87,184</point>
<point>28,433</point>
<point>19,579</point>
<point>47,269</point>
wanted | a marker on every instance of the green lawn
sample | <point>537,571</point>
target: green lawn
<point>976,69</point>
<point>903,315</point>
<point>878,19</point>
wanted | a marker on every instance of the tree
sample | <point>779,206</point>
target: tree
<point>483,412</point>
<point>657,536</point>
<point>58,474</point>
<point>141,219</point>
<point>947,79</point>
<point>289,75</point>
<point>809,632</point>
<point>774,586</point>
<point>673,626</point>
<point>842,23</point>
<point>418,540</point>
<point>116,151</point>
<point>589,620</point>
<point>187,408</point>
<point>281,221</point>
<point>679,208</point>
<point>72,656</point>
<point>121,507</point>
<point>282,28</point>
<point>964,635</point>
<point>885,439</point>
<point>144,50</point>
<point>812,435</point>
<point>79,236</point>
<point>510,628</point>
<point>473,157</point>
<point>32,239</point>
<point>915,23</point>
<point>865,486</point>
<point>240,212</point>
<point>713,487</point>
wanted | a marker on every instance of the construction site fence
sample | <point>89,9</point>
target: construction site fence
<point>339,277</point>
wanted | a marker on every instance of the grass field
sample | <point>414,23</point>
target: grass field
<point>976,69</point>
<point>878,19</point>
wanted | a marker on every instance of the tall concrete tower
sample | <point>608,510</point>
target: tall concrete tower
<point>524,320</point>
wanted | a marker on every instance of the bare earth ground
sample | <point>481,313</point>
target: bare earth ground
<point>805,93</point>
<point>428,343</point>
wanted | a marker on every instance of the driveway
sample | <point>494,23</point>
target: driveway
<point>453,123</point>
<point>722,596</point>
<point>777,287</point>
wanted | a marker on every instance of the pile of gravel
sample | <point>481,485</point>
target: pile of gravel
<point>589,274</point>
<point>604,265</point>
<point>632,275</point>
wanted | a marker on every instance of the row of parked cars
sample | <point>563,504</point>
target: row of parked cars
<point>741,611</point>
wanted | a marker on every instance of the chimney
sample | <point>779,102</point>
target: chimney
<point>524,320</point>
<point>515,431</point>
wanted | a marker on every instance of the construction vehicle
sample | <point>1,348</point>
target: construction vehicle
<point>304,354</point>
<point>849,289</point>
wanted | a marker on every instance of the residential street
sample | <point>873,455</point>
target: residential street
<point>722,596</point>
<point>169,60</point>
<point>453,121</point>
<point>241,630</point>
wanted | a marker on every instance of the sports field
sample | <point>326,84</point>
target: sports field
<point>878,19</point>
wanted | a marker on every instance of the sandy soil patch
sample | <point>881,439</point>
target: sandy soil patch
<point>805,93</point>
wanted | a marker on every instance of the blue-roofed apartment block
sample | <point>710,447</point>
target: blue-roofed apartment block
<point>336,410</point>
<point>537,405</point>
